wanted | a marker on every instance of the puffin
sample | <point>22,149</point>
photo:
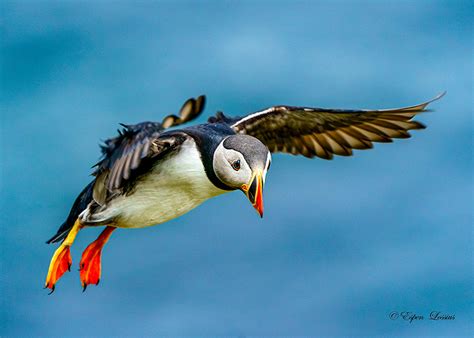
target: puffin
<point>153,172</point>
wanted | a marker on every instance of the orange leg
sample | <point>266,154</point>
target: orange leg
<point>90,266</point>
<point>61,260</point>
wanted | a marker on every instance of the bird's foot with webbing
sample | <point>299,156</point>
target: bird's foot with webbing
<point>90,265</point>
<point>61,260</point>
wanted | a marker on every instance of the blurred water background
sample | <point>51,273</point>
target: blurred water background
<point>343,243</point>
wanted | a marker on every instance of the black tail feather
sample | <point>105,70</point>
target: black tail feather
<point>80,204</point>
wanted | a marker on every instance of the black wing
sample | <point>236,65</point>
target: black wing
<point>81,202</point>
<point>139,143</point>
<point>324,132</point>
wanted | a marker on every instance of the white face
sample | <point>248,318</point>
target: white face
<point>232,169</point>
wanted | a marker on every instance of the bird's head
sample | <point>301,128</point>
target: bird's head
<point>241,162</point>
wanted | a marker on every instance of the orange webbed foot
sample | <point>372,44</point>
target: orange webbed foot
<point>60,263</point>
<point>90,265</point>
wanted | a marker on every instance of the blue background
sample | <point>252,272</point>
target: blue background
<point>343,243</point>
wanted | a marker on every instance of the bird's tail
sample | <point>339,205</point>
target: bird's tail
<point>80,204</point>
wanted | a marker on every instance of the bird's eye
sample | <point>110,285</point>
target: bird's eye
<point>236,165</point>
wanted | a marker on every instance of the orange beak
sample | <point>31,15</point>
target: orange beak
<point>254,192</point>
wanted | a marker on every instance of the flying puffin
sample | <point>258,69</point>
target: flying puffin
<point>149,174</point>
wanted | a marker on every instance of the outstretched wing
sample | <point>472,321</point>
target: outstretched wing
<point>136,145</point>
<point>324,132</point>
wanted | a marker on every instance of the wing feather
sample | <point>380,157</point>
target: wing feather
<point>327,132</point>
<point>128,154</point>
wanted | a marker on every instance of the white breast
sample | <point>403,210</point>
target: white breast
<point>176,186</point>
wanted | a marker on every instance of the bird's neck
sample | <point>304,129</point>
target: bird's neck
<point>208,138</point>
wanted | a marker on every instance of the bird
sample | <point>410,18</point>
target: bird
<point>153,172</point>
